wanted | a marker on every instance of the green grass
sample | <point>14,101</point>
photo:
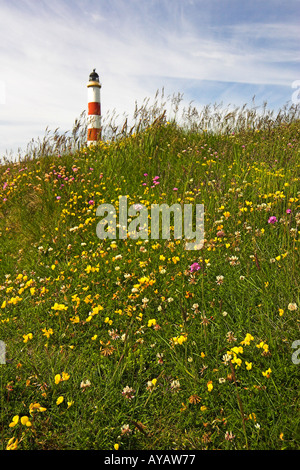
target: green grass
<point>55,272</point>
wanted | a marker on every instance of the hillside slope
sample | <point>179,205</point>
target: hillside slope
<point>119,343</point>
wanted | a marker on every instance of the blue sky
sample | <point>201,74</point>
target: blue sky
<point>211,51</point>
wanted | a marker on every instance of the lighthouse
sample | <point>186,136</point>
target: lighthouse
<point>94,109</point>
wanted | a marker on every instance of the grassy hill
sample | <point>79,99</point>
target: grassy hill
<point>118,343</point>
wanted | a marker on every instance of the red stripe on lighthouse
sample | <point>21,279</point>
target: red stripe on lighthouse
<point>93,134</point>
<point>94,108</point>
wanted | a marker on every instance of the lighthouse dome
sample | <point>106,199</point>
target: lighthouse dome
<point>94,77</point>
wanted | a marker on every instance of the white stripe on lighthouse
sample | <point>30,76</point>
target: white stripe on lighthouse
<point>93,94</point>
<point>94,122</point>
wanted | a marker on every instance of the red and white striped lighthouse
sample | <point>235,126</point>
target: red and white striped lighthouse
<point>94,109</point>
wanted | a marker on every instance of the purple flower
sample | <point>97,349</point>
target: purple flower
<point>91,202</point>
<point>288,211</point>
<point>272,220</point>
<point>195,267</point>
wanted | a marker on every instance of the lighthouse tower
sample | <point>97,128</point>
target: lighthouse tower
<point>94,109</point>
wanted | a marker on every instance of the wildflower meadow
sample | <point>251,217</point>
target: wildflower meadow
<point>140,344</point>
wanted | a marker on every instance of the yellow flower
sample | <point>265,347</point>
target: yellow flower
<point>97,309</point>
<point>143,280</point>
<point>59,400</point>
<point>57,379</point>
<point>60,307</point>
<point>12,444</point>
<point>179,339</point>
<point>70,403</point>
<point>75,319</point>
<point>27,337</point>
<point>236,350</point>
<point>47,333</point>
<point>25,421</point>
<point>116,446</point>
<point>248,365</point>
<point>280,311</point>
<point>60,378</point>
<point>183,408</point>
<point>15,421</point>
<point>36,407</point>
<point>236,361</point>
<point>265,348</point>
<point>152,322</point>
<point>65,376</point>
<point>14,300</point>
<point>267,373</point>
<point>210,386</point>
<point>247,339</point>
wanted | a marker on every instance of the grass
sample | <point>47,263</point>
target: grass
<point>116,343</point>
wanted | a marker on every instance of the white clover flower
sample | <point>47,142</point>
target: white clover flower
<point>175,385</point>
<point>292,307</point>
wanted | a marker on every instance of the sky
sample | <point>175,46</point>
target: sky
<point>212,51</point>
